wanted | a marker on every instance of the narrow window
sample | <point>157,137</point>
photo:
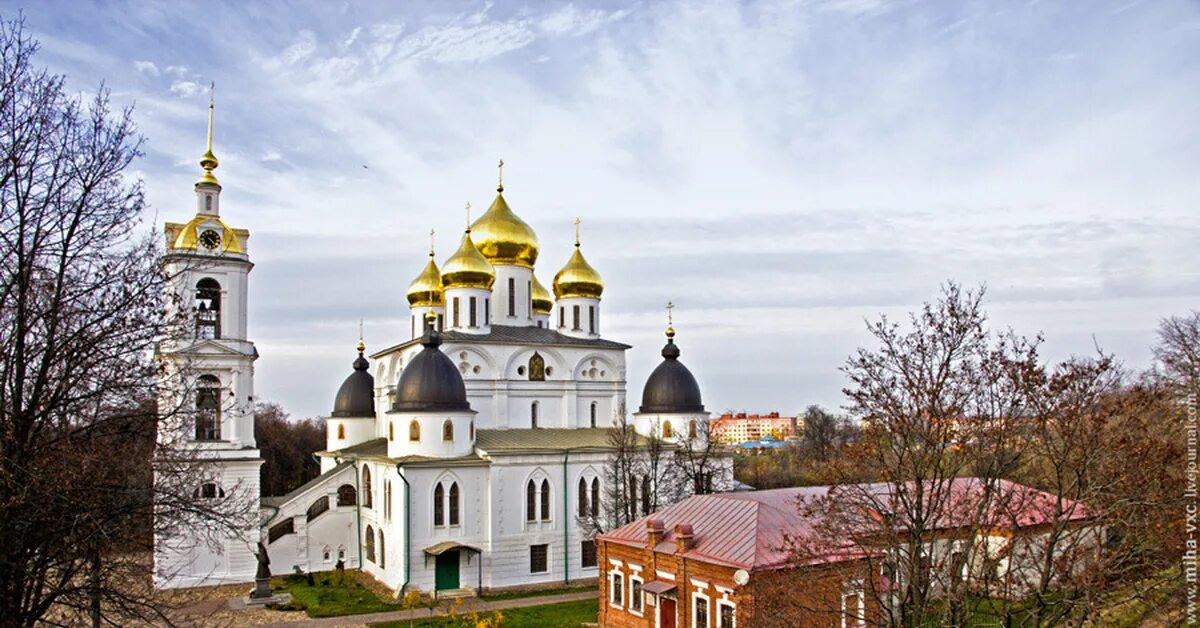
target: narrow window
<point>441,320</point>
<point>725,615</point>
<point>538,559</point>
<point>382,551</point>
<point>412,326</point>
<point>512,297</point>
<point>562,316</point>
<point>455,315</point>
<point>583,497</point>
<point>592,411</point>
<point>616,589</point>
<point>531,501</point>
<point>529,300</point>
<point>341,432</point>
<point>700,617</point>
<point>667,430</point>
<point>587,554</point>
<point>487,310</point>
<point>473,316</point>
<point>391,431</point>
<point>591,319</point>
<point>692,428</point>
<point>635,595</point>
<point>575,309</point>
<point>545,500</point>
<point>447,430</point>
<point>370,540</point>
<point>471,430</point>
<point>439,512</point>
<point>533,414</point>
<point>366,484</point>
<point>387,499</point>
<point>454,504</point>
<point>208,408</point>
<point>208,309</point>
<point>595,497</point>
<point>414,431</point>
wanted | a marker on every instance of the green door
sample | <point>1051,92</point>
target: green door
<point>445,574</point>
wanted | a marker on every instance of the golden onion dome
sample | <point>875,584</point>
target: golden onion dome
<point>426,289</point>
<point>468,268</point>
<point>502,237</point>
<point>543,303</point>
<point>578,278</point>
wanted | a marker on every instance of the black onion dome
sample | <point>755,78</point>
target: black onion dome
<point>430,382</point>
<point>356,397</point>
<point>671,388</point>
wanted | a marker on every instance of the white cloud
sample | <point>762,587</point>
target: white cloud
<point>187,89</point>
<point>146,67</point>
<point>176,70</point>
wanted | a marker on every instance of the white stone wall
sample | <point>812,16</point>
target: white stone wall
<point>523,299</point>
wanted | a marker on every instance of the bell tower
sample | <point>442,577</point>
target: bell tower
<point>208,382</point>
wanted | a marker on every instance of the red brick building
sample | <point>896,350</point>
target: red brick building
<point>714,561</point>
<point>732,429</point>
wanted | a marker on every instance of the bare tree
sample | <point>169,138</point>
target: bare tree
<point>1178,350</point>
<point>81,299</point>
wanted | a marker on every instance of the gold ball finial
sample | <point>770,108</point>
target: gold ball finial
<point>431,318</point>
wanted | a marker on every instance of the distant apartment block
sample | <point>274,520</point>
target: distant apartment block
<point>732,429</point>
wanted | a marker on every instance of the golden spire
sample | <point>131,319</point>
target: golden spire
<point>500,177</point>
<point>361,345</point>
<point>670,321</point>
<point>208,160</point>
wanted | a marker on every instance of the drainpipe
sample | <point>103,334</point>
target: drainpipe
<point>566,521</point>
<point>407,531</point>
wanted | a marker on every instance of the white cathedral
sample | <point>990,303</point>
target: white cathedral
<point>468,456</point>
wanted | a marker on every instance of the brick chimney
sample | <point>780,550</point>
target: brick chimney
<point>654,532</point>
<point>683,538</point>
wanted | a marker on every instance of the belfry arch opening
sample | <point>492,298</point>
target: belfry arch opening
<point>208,309</point>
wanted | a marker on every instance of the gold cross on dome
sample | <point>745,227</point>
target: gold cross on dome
<point>468,215</point>
<point>500,177</point>
<point>431,232</point>
<point>670,306</point>
<point>577,231</point>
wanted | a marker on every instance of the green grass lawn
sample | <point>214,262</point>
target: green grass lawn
<point>327,597</point>
<point>565,615</point>
<point>516,595</point>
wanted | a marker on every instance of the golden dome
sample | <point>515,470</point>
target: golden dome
<point>426,289</point>
<point>578,278</point>
<point>502,237</point>
<point>468,268</point>
<point>543,303</point>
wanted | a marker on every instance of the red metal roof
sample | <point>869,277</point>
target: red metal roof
<point>747,530</point>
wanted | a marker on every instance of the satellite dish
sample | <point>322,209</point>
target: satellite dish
<point>741,577</point>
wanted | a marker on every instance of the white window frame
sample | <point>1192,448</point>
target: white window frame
<point>854,589</point>
<point>717,616</point>
<point>707,605</point>
<point>640,600</point>
<point>618,590</point>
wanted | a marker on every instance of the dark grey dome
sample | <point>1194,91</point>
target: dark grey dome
<point>356,397</point>
<point>430,382</point>
<point>671,388</point>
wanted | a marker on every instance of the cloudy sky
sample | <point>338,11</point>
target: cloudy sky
<point>782,171</point>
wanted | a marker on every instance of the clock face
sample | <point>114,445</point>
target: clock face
<point>210,239</point>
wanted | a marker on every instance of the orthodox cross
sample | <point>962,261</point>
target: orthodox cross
<point>500,177</point>
<point>576,231</point>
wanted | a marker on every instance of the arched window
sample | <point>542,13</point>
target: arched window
<point>447,430</point>
<point>208,408</point>
<point>391,431</point>
<point>692,428</point>
<point>537,368</point>
<point>583,497</point>
<point>414,431</point>
<point>208,490</point>
<point>439,499</point>
<point>593,413</point>
<point>326,554</point>
<point>454,504</point>
<point>595,497</point>
<point>646,495</point>
<point>545,500</point>
<point>341,431</point>
<point>366,484</point>
<point>318,507</point>
<point>531,501</point>
<point>667,430</point>
<point>382,551</point>
<point>341,552</point>
<point>472,430</point>
<point>370,539</point>
<point>208,309</point>
<point>347,496</point>
<point>533,414</point>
